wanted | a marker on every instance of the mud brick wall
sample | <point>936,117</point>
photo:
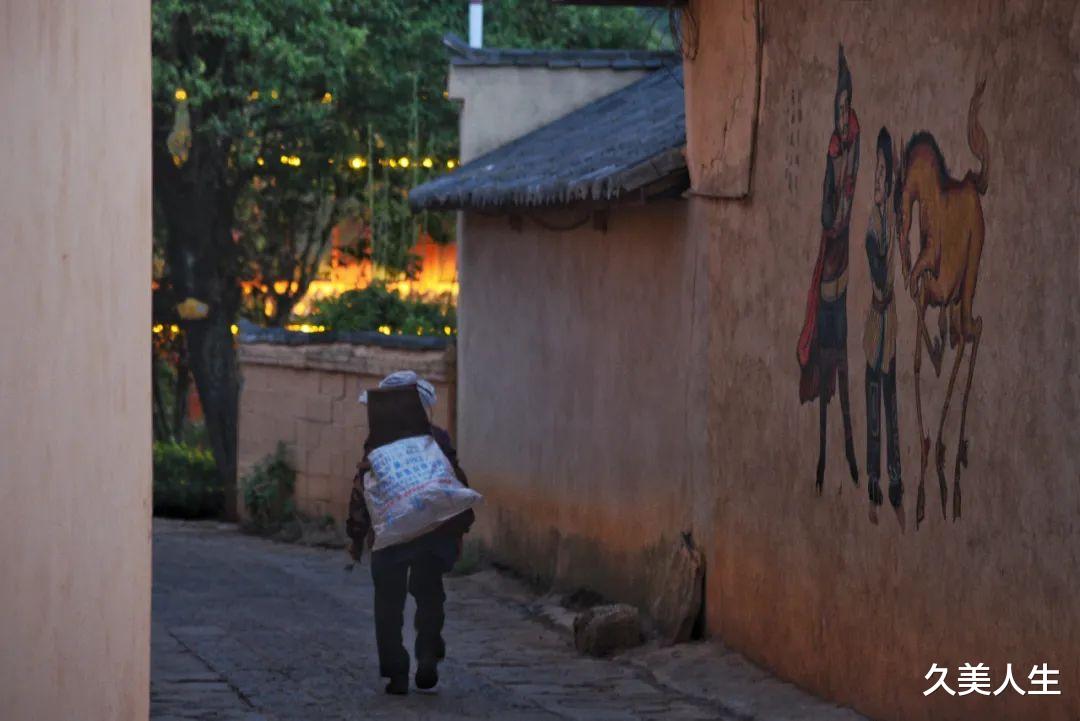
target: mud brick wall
<point>306,396</point>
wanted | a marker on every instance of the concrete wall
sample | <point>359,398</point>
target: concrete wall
<point>306,397</point>
<point>75,360</point>
<point>618,388</point>
<point>501,103</point>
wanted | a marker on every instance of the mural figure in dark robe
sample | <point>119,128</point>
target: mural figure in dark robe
<point>879,337</point>
<point>822,349</point>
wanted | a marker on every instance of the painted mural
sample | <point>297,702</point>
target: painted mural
<point>943,277</point>
<point>822,348</point>
<point>879,336</point>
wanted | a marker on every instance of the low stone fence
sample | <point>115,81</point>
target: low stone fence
<point>303,391</point>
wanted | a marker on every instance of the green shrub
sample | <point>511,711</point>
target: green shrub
<point>186,484</point>
<point>378,307</point>
<point>268,492</point>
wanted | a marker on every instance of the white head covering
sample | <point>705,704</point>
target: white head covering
<point>407,378</point>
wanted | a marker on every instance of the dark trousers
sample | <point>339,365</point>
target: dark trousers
<point>421,575</point>
<point>832,362</point>
<point>880,384</point>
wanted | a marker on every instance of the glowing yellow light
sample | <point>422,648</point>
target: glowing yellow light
<point>260,161</point>
<point>294,161</point>
<point>284,159</point>
<point>253,95</point>
<point>274,94</point>
<point>174,329</point>
<point>181,94</point>
<point>393,163</point>
<point>327,98</point>
<point>447,330</point>
<point>403,161</point>
<point>356,162</point>
<point>419,331</point>
<point>305,327</point>
<point>330,161</point>
<point>234,328</point>
<point>450,164</point>
<point>384,329</point>
<point>428,162</point>
<point>158,328</point>
<point>446,95</point>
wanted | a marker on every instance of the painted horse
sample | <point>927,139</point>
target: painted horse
<point>945,273</point>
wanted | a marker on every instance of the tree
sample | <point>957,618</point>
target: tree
<point>283,109</point>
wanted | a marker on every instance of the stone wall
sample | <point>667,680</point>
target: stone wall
<point>306,396</point>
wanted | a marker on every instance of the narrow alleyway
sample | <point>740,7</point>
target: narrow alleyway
<point>247,629</point>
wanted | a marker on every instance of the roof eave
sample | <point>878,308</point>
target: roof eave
<point>657,175</point>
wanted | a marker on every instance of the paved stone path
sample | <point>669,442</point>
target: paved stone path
<point>247,629</point>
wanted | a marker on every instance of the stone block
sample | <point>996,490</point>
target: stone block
<point>604,630</point>
<point>318,408</point>
<point>678,601</point>
<point>308,436</point>
<point>332,385</point>
<point>317,461</point>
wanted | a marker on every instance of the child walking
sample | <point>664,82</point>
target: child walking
<point>415,567</point>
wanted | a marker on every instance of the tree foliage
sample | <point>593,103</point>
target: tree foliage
<point>270,119</point>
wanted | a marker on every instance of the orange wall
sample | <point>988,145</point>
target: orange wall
<point>581,399</point>
<point>74,361</point>
<point>618,388</point>
<point>805,584</point>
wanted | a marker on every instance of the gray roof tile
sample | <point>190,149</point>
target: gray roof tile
<point>618,144</point>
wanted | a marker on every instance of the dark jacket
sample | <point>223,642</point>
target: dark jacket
<point>444,541</point>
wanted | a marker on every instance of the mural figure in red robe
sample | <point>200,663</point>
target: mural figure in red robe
<point>822,349</point>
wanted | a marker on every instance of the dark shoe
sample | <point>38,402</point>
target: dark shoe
<point>399,685</point>
<point>427,675</point>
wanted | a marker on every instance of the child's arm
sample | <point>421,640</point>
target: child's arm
<point>358,523</point>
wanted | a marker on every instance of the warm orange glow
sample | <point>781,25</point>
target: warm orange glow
<point>437,277</point>
<point>341,272</point>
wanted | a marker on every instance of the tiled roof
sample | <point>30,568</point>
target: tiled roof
<point>465,56</point>
<point>624,143</point>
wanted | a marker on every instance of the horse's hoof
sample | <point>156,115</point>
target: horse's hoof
<point>937,352</point>
<point>962,455</point>
<point>920,506</point>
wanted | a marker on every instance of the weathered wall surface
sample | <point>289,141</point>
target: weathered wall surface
<point>75,360</point>
<point>618,388</point>
<point>503,103</point>
<point>306,396</point>
<point>581,398</point>
<point>807,585</point>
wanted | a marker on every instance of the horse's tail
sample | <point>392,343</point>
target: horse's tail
<point>977,140</point>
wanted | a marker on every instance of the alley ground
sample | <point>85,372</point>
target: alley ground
<point>248,629</point>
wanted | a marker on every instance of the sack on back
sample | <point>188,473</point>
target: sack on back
<point>411,489</point>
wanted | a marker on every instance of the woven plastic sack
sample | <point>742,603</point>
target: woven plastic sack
<point>411,489</point>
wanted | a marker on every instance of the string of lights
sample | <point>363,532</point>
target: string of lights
<point>354,162</point>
